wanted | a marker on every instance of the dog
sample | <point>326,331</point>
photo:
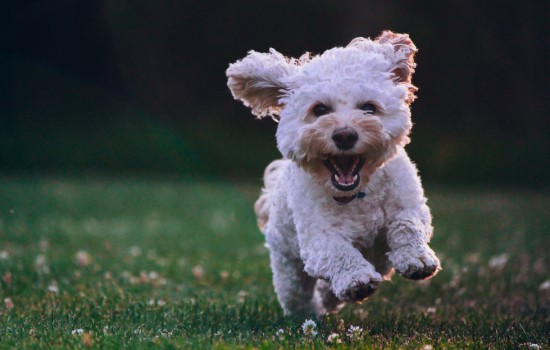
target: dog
<point>345,207</point>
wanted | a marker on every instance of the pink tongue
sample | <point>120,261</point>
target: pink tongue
<point>345,179</point>
<point>345,163</point>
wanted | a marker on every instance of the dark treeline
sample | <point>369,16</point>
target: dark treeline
<point>125,85</point>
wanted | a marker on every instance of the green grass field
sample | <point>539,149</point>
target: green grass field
<point>148,262</point>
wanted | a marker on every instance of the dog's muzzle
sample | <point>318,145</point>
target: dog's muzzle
<point>344,171</point>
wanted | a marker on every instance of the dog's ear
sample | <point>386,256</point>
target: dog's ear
<point>403,59</point>
<point>399,50</point>
<point>404,54</point>
<point>258,81</point>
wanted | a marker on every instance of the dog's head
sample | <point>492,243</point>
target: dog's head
<point>343,113</point>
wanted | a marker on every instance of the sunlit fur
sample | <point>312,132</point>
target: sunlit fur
<point>325,250</point>
<point>315,143</point>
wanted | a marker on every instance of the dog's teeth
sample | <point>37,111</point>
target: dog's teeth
<point>354,178</point>
<point>337,178</point>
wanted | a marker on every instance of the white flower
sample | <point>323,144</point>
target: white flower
<point>78,331</point>
<point>355,333</point>
<point>280,333</point>
<point>134,251</point>
<point>53,287</point>
<point>334,338</point>
<point>309,328</point>
<point>8,303</point>
<point>83,258</point>
<point>498,262</point>
<point>40,260</point>
<point>534,346</point>
<point>4,255</point>
<point>198,272</point>
<point>241,296</point>
<point>545,285</point>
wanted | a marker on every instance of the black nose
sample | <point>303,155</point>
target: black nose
<point>344,138</point>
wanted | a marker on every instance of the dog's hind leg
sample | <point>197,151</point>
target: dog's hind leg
<point>324,300</point>
<point>262,206</point>
<point>294,287</point>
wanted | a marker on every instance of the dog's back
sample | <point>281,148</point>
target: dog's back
<point>263,204</point>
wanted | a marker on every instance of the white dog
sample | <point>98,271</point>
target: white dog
<point>345,206</point>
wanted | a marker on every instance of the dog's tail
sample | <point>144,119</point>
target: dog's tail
<point>263,204</point>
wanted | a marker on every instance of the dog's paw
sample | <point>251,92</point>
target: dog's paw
<point>356,287</point>
<point>416,263</point>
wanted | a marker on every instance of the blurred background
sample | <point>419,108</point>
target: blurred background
<point>131,87</point>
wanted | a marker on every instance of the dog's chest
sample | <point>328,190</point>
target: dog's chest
<point>362,220</point>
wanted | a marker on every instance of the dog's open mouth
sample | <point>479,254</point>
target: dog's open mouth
<point>344,171</point>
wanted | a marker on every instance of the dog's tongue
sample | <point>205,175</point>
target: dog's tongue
<point>346,165</point>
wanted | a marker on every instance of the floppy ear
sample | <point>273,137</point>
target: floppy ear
<point>404,54</point>
<point>403,59</point>
<point>399,50</point>
<point>258,81</point>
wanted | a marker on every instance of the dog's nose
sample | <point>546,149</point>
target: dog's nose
<point>344,138</point>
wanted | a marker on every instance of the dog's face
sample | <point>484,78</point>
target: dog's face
<point>343,114</point>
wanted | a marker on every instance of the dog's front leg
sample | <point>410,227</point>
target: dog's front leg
<point>328,255</point>
<point>408,237</point>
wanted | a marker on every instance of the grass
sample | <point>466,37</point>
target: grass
<point>174,263</point>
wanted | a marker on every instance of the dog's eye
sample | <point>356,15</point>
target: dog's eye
<point>368,107</point>
<point>320,109</point>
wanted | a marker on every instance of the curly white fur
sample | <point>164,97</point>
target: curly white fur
<point>339,218</point>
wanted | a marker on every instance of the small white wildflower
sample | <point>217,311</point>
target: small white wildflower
<point>355,333</point>
<point>40,260</point>
<point>134,251</point>
<point>106,330</point>
<point>8,303</point>
<point>53,287</point>
<point>334,338</point>
<point>198,272</point>
<point>534,346</point>
<point>161,302</point>
<point>309,328</point>
<point>83,258</point>
<point>431,310</point>
<point>241,296</point>
<point>41,265</point>
<point>78,331</point>
<point>218,334</point>
<point>280,333</point>
<point>165,333</point>
<point>151,302</point>
<point>545,285</point>
<point>498,262</point>
<point>4,255</point>
<point>427,347</point>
